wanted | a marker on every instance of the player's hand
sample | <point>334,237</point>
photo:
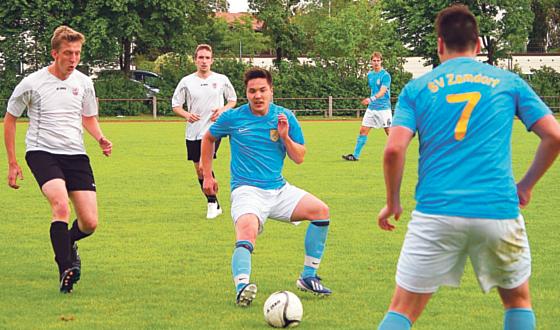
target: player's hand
<point>366,101</point>
<point>283,126</point>
<point>14,173</point>
<point>216,113</point>
<point>192,117</point>
<point>210,186</point>
<point>106,146</point>
<point>385,214</point>
<point>524,196</point>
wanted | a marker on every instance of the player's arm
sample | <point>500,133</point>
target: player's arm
<point>548,130</point>
<point>210,185</point>
<point>217,112</point>
<point>295,151</point>
<point>14,170</point>
<point>393,168</point>
<point>91,125</point>
<point>190,117</point>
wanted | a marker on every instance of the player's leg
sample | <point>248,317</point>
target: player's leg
<point>501,258</point>
<point>49,175</point>
<point>316,211</point>
<point>246,231</point>
<point>55,192</point>
<point>249,211</point>
<point>519,313</point>
<point>387,116</point>
<point>85,206</point>
<point>433,254</point>
<point>406,306</point>
<point>193,154</point>
<point>367,124</point>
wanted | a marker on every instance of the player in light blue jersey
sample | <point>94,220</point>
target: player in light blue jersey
<point>467,199</point>
<point>261,135</point>
<point>378,113</point>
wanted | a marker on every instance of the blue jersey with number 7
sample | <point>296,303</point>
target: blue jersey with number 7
<point>463,113</point>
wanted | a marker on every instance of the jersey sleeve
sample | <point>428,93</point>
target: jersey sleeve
<point>229,91</point>
<point>21,99</point>
<point>179,96</point>
<point>89,104</point>
<point>294,131</point>
<point>386,80</point>
<point>404,111</point>
<point>222,126</point>
<point>530,107</point>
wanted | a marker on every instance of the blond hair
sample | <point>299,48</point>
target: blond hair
<point>65,33</point>
<point>201,47</point>
<point>376,54</point>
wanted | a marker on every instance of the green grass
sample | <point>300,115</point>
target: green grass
<point>157,263</point>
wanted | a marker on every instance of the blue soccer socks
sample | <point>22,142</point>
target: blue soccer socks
<point>519,319</point>
<point>360,143</point>
<point>241,263</point>
<point>314,246</point>
<point>395,321</point>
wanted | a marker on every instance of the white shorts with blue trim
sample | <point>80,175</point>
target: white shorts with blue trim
<point>436,248</point>
<point>277,204</point>
<point>377,118</point>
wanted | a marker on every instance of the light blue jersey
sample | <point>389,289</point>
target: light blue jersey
<point>375,81</point>
<point>257,152</point>
<point>463,111</point>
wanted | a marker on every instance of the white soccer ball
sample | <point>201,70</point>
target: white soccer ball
<point>283,309</point>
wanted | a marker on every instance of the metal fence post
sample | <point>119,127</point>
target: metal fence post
<point>330,106</point>
<point>154,106</point>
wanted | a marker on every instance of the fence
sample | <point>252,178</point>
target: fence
<point>326,107</point>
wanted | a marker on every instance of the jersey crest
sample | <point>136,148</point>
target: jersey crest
<point>274,135</point>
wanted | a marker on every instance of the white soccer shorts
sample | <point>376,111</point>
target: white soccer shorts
<point>277,204</point>
<point>377,118</point>
<point>436,247</point>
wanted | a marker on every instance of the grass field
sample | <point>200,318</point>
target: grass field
<point>157,263</point>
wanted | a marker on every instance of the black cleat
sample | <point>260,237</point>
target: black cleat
<point>68,278</point>
<point>350,157</point>
<point>246,295</point>
<point>76,260</point>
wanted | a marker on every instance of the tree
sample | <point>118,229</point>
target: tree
<point>277,16</point>
<point>238,38</point>
<point>503,24</point>
<point>539,32</point>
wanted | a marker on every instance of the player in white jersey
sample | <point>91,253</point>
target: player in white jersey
<point>204,92</point>
<point>59,101</point>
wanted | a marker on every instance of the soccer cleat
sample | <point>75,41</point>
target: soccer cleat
<point>68,278</point>
<point>214,210</point>
<point>76,260</point>
<point>350,157</point>
<point>246,295</point>
<point>313,285</point>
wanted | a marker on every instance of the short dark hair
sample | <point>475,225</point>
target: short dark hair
<point>457,27</point>
<point>255,73</point>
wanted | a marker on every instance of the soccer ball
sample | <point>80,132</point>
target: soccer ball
<point>283,309</point>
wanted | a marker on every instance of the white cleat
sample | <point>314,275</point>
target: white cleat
<point>213,211</point>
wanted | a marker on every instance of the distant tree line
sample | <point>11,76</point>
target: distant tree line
<point>337,34</point>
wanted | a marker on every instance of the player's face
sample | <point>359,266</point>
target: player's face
<point>203,60</point>
<point>259,94</point>
<point>66,58</point>
<point>376,63</point>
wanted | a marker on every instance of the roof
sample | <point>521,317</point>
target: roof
<point>232,17</point>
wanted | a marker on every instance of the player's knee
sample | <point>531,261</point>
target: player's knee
<point>321,212</point>
<point>89,225</point>
<point>60,209</point>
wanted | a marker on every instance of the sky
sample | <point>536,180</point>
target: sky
<point>236,6</point>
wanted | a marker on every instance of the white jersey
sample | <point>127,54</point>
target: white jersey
<point>202,96</point>
<point>55,108</point>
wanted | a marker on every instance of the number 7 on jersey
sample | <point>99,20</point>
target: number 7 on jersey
<point>472,99</point>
